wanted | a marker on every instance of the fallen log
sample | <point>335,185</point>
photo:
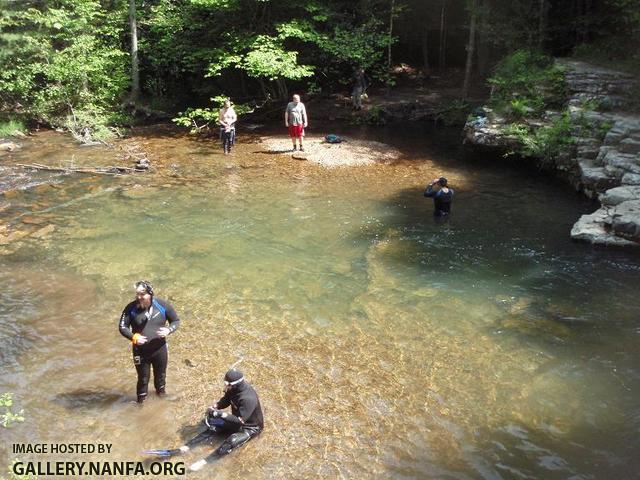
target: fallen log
<point>112,170</point>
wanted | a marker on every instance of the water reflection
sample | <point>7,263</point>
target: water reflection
<point>382,345</point>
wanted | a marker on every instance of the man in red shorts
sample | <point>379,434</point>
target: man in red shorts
<point>295,118</point>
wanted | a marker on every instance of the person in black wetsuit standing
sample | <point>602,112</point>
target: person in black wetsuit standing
<point>144,322</point>
<point>442,196</point>
<point>243,423</point>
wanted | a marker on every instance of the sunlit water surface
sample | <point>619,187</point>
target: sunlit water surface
<point>383,344</point>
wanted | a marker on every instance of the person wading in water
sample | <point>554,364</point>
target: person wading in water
<point>227,120</point>
<point>442,196</point>
<point>143,321</point>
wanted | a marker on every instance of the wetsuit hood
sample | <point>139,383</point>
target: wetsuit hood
<point>234,378</point>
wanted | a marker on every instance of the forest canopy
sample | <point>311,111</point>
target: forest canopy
<point>86,64</point>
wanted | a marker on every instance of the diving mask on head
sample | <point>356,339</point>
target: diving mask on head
<point>145,284</point>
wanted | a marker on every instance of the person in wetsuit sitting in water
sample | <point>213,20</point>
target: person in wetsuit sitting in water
<point>243,423</point>
<point>442,196</point>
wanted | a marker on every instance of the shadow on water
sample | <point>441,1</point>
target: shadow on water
<point>272,152</point>
<point>497,241</point>
<point>89,399</point>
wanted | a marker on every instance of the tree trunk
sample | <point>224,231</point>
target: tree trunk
<point>263,87</point>
<point>542,24</point>
<point>282,88</point>
<point>482,47</point>
<point>443,36</point>
<point>577,19</point>
<point>243,84</point>
<point>425,49</point>
<point>391,15</point>
<point>586,22</point>
<point>135,73</point>
<point>471,48</point>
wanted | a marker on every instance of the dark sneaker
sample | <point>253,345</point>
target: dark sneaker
<point>301,148</point>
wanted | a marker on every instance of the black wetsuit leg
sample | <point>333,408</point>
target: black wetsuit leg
<point>202,437</point>
<point>234,441</point>
<point>143,367</point>
<point>159,360</point>
<point>227,141</point>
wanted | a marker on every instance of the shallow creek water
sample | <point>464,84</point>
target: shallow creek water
<point>382,344</point>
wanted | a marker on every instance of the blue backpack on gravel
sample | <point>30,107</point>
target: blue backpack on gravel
<point>331,138</point>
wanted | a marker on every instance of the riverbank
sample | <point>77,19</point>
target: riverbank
<point>602,160</point>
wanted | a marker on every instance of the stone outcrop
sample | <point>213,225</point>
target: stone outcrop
<point>487,132</point>
<point>608,163</point>
<point>604,161</point>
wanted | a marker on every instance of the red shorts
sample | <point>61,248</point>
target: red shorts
<point>296,131</point>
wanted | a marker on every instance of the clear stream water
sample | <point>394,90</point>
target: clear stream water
<point>382,344</point>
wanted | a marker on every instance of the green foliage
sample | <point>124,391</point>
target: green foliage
<point>362,46</point>
<point>65,59</point>
<point>91,124</point>
<point>374,116</point>
<point>66,62</point>
<point>519,108</point>
<point>269,45</point>
<point>216,4</point>
<point>7,417</point>
<point>455,113</point>
<point>584,125</point>
<point>546,142</point>
<point>267,58</point>
<point>525,83</point>
<point>10,127</point>
<point>199,119</point>
<point>604,128</point>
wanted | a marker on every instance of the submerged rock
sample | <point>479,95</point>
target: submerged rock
<point>34,220</point>
<point>12,237</point>
<point>9,146</point>
<point>43,232</point>
<point>138,192</point>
